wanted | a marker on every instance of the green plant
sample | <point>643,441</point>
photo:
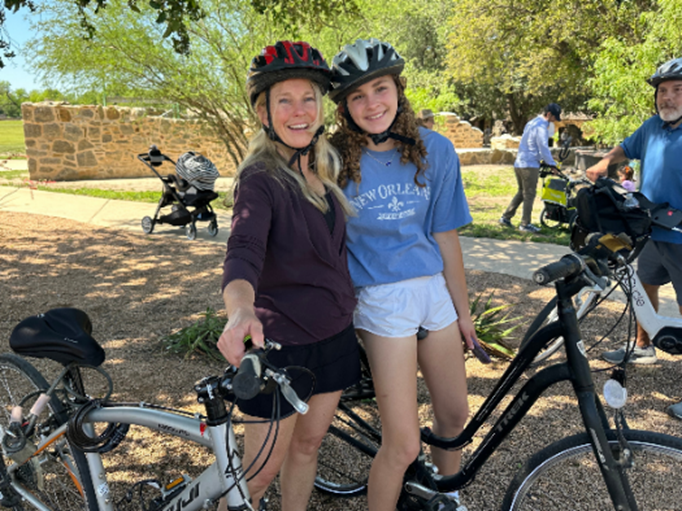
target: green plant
<point>199,337</point>
<point>491,328</point>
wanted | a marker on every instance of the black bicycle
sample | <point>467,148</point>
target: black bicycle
<point>629,469</point>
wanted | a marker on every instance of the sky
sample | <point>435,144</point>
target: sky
<point>15,71</point>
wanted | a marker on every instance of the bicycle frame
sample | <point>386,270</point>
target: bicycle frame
<point>576,369</point>
<point>223,475</point>
<point>646,315</point>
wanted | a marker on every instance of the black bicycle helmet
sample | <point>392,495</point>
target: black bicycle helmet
<point>671,70</point>
<point>284,61</point>
<point>360,63</point>
<point>357,64</point>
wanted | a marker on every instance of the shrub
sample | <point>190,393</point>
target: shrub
<point>200,337</point>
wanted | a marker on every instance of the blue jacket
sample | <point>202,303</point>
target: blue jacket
<point>534,146</point>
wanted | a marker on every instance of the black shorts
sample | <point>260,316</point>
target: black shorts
<point>334,362</point>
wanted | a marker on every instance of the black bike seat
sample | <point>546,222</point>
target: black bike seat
<point>61,334</point>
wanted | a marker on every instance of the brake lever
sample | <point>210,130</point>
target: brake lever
<point>289,394</point>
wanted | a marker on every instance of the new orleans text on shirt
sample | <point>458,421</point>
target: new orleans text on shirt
<point>394,199</point>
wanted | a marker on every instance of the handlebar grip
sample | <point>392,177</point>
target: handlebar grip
<point>564,267</point>
<point>247,383</point>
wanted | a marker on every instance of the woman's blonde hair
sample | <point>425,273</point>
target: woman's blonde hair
<point>325,161</point>
<point>349,142</point>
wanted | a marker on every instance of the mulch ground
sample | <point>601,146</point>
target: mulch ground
<point>137,289</point>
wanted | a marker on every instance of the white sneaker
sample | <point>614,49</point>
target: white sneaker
<point>639,355</point>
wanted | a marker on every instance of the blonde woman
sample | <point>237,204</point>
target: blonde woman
<point>285,273</point>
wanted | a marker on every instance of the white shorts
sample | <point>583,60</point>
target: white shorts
<point>400,308</point>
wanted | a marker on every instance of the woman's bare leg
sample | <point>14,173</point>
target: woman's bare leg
<point>394,370</point>
<point>300,465</point>
<point>441,359</point>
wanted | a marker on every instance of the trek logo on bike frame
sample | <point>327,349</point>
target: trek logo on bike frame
<point>182,504</point>
<point>514,410</point>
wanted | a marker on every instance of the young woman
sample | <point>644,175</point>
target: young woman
<point>285,273</point>
<point>404,257</point>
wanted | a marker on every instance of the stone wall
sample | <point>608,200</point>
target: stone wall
<point>461,133</point>
<point>71,142</point>
<point>505,141</point>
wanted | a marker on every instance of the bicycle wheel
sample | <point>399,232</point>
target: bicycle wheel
<point>347,450</point>
<point>59,475</point>
<point>582,302</point>
<point>551,477</point>
<point>547,221</point>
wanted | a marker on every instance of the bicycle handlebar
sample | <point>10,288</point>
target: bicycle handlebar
<point>565,267</point>
<point>255,372</point>
<point>247,383</point>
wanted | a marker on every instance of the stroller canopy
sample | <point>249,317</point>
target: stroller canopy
<point>197,170</point>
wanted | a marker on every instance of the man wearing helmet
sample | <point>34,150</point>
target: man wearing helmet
<point>285,274</point>
<point>657,143</point>
<point>404,257</point>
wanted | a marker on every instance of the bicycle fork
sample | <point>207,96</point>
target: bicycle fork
<point>591,410</point>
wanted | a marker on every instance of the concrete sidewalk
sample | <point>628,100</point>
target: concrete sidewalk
<point>516,258</point>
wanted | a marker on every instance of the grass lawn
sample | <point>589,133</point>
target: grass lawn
<point>12,138</point>
<point>489,190</point>
<point>152,197</point>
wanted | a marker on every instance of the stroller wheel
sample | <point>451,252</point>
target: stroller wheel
<point>547,221</point>
<point>147,225</point>
<point>212,228</point>
<point>191,231</point>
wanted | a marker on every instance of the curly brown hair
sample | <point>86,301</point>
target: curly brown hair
<point>349,143</point>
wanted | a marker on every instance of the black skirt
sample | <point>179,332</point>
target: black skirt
<point>334,363</point>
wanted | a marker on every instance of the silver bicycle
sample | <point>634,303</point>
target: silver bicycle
<point>53,435</point>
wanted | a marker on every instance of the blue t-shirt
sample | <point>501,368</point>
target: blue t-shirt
<point>660,152</point>
<point>391,237</point>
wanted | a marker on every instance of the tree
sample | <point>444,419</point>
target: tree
<point>10,101</point>
<point>127,55</point>
<point>532,52</point>
<point>620,94</point>
<point>174,15</point>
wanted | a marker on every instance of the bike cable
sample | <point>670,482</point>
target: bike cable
<point>104,442</point>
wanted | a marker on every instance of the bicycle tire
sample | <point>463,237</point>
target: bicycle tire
<point>547,479</point>
<point>549,314</point>
<point>347,451</point>
<point>54,474</point>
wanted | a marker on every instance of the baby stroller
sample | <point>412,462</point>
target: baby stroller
<point>188,193</point>
<point>558,192</point>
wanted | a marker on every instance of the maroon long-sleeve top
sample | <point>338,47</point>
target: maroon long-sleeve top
<point>281,244</point>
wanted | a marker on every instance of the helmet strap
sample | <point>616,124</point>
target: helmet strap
<point>378,138</point>
<point>670,124</point>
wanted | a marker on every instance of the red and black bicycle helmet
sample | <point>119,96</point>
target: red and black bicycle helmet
<point>284,61</point>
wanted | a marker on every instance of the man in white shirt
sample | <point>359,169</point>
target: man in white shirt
<point>533,149</point>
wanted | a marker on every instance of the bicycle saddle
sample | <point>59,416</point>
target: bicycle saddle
<point>61,334</point>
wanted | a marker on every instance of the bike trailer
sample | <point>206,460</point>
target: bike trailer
<point>554,190</point>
